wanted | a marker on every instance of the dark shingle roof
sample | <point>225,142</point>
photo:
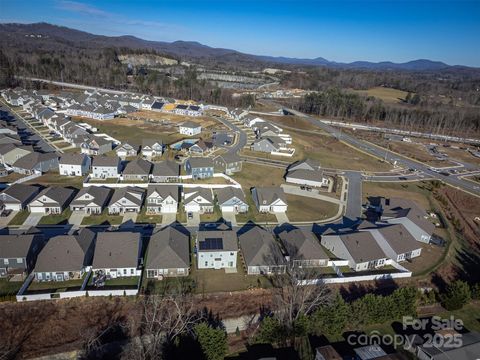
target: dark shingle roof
<point>116,250</point>
<point>260,248</point>
<point>302,245</point>
<point>168,249</point>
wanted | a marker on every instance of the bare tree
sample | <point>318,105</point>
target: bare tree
<point>164,318</point>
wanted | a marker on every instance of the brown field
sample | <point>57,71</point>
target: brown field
<point>301,208</point>
<point>388,95</point>
<point>259,175</point>
<point>205,121</point>
<point>293,122</point>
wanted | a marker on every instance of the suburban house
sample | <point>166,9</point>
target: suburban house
<point>396,242</point>
<point>137,170</point>
<point>410,215</point>
<point>152,147</point>
<point>303,248</point>
<point>168,254</point>
<point>314,178</point>
<point>104,167</point>
<point>438,347</point>
<point>307,164</point>
<point>74,164</point>
<point>190,128</point>
<point>199,167</point>
<point>91,199</point>
<point>65,257</point>
<point>201,148</point>
<point>268,144</point>
<point>10,153</point>
<point>261,252</point>
<point>93,145</point>
<point>217,249</point>
<point>228,163</point>
<point>269,199</point>
<point>118,254</point>
<point>10,139</point>
<point>17,196</point>
<point>162,199</point>
<point>231,199</point>
<point>165,171</point>
<point>126,199</point>
<point>18,253</point>
<point>358,247</point>
<point>52,200</point>
<point>127,149</point>
<point>198,200</point>
<point>36,163</point>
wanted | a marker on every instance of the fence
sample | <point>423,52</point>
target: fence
<point>343,280</point>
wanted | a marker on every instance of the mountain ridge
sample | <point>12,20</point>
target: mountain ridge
<point>196,50</point>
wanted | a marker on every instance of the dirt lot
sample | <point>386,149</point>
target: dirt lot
<point>259,175</point>
<point>389,95</point>
<point>205,121</point>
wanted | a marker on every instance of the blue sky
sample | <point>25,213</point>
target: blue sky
<point>339,30</point>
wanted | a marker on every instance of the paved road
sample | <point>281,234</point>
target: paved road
<point>241,139</point>
<point>451,180</point>
<point>26,132</point>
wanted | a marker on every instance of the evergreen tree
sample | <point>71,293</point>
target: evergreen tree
<point>457,295</point>
<point>212,341</point>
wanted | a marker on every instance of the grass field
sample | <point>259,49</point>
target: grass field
<point>150,219</point>
<point>59,219</point>
<point>388,95</point>
<point>9,287</point>
<point>55,286</point>
<point>301,208</point>
<point>11,177</point>
<point>102,219</point>
<point>259,175</point>
<point>53,178</point>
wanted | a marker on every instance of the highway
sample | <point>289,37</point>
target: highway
<point>453,180</point>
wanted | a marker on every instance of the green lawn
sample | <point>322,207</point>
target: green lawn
<point>53,178</point>
<point>212,217</point>
<point>9,288</point>
<point>102,219</point>
<point>20,218</point>
<point>56,286</point>
<point>59,219</point>
<point>151,219</point>
<point>104,181</point>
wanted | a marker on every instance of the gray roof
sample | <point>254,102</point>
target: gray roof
<point>61,253</point>
<point>398,237</point>
<point>116,250</point>
<point>229,239</point>
<point>6,148</point>
<point>138,167</point>
<point>72,159</point>
<point>260,248</point>
<point>15,246</point>
<point>315,175</point>
<point>61,195</point>
<point>164,191</point>
<point>151,142</point>
<point>29,161</point>
<point>200,162</point>
<point>197,191</point>
<point>168,249</point>
<point>362,246</point>
<point>127,193</point>
<point>100,195</point>
<point>307,164</point>
<point>398,207</point>
<point>190,124</point>
<point>166,168</point>
<point>469,348</point>
<point>228,158</point>
<point>226,193</point>
<point>105,161</point>
<point>302,245</point>
<point>267,195</point>
<point>20,192</point>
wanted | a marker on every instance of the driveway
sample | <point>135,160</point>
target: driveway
<point>76,218</point>
<point>195,221</point>
<point>6,219</point>
<point>32,220</point>
<point>229,217</point>
<point>167,219</point>
<point>281,217</point>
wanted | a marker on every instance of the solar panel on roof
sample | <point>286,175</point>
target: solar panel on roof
<point>211,244</point>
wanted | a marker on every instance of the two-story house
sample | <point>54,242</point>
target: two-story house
<point>74,164</point>
<point>199,167</point>
<point>198,200</point>
<point>217,249</point>
<point>105,167</point>
<point>162,199</point>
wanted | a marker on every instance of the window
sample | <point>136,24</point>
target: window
<point>132,271</point>
<point>206,263</point>
<point>19,260</point>
<point>124,271</point>
<point>5,261</point>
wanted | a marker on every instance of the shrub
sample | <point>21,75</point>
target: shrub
<point>457,295</point>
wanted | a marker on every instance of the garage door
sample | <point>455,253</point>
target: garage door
<point>228,208</point>
<point>279,208</point>
<point>192,208</point>
<point>37,210</point>
<point>13,207</point>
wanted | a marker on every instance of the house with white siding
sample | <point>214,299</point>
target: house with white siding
<point>162,199</point>
<point>270,199</point>
<point>217,249</point>
<point>74,164</point>
<point>105,167</point>
<point>198,200</point>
